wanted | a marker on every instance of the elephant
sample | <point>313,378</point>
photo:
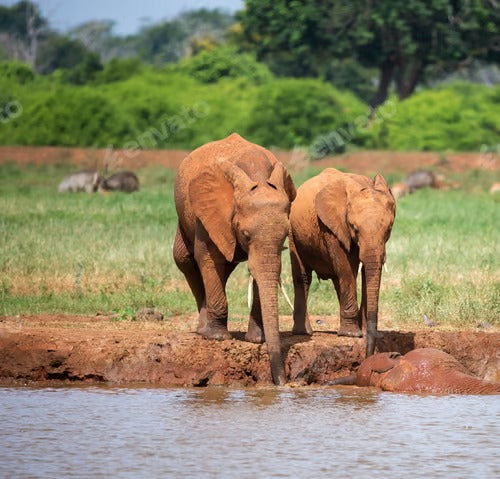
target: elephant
<point>233,203</point>
<point>125,181</point>
<point>337,221</point>
<point>85,180</point>
<point>424,370</point>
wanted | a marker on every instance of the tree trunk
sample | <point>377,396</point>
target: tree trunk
<point>408,77</point>
<point>386,70</point>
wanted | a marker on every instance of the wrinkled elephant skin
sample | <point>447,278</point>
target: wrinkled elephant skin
<point>338,221</point>
<point>233,202</point>
<point>424,370</point>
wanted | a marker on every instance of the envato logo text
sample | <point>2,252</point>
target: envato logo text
<point>10,111</point>
<point>340,138</point>
<point>167,128</point>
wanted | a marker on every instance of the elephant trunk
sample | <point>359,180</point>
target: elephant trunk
<point>267,274</point>
<point>373,272</point>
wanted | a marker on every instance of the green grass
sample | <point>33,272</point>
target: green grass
<point>78,253</point>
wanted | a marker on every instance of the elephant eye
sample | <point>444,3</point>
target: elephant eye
<point>272,186</point>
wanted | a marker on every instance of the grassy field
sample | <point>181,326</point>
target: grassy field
<point>78,253</point>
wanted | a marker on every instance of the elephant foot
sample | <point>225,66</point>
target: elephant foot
<point>351,330</point>
<point>214,331</point>
<point>302,326</point>
<point>302,330</point>
<point>255,333</point>
<point>256,337</point>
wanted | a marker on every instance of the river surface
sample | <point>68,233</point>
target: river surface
<point>246,433</point>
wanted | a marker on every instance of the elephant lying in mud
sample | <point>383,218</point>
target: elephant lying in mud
<point>337,221</point>
<point>233,201</point>
<point>424,370</point>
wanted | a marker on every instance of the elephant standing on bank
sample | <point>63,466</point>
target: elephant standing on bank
<point>424,370</point>
<point>337,221</point>
<point>233,202</point>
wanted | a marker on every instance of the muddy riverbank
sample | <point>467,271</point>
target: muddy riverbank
<point>62,349</point>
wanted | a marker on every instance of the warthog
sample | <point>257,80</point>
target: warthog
<point>421,179</point>
<point>123,181</point>
<point>86,180</point>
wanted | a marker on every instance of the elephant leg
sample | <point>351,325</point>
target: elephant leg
<point>186,263</point>
<point>255,333</point>
<point>350,320</point>
<point>214,271</point>
<point>302,276</point>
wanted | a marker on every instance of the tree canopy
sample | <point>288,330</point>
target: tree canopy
<point>403,39</point>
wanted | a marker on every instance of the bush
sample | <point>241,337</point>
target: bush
<point>291,112</point>
<point>211,65</point>
<point>460,117</point>
<point>119,69</point>
<point>17,71</point>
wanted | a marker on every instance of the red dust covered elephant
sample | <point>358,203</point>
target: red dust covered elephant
<point>424,370</point>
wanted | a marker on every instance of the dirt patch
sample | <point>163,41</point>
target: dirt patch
<point>364,162</point>
<point>54,349</point>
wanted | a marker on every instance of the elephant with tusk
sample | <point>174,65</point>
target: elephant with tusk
<point>424,370</point>
<point>233,203</point>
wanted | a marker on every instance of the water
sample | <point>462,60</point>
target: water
<point>254,433</point>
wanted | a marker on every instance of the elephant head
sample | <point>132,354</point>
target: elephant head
<point>372,370</point>
<point>244,208</point>
<point>360,213</point>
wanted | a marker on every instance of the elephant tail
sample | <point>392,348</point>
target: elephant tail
<point>344,381</point>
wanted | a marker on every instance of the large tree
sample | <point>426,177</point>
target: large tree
<point>402,38</point>
<point>21,29</point>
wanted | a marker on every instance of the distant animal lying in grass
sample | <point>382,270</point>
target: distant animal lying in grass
<point>495,188</point>
<point>86,180</point>
<point>419,179</point>
<point>425,370</point>
<point>123,181</point>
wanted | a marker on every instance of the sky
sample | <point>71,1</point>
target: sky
<point>129,15</point>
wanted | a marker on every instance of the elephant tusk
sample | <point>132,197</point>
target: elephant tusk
<point>385,268</point>
<point>250,291</point>
<point>283,290</point>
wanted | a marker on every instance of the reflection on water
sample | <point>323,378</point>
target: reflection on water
<point>221,432</point>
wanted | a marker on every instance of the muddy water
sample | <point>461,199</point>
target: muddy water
<point>234,433</point>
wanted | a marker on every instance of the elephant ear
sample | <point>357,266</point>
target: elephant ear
<point>331,208</point>
<point>380,184</point>
<point>212,198</point>
<point>281,179</point>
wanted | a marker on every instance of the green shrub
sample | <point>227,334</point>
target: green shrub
<point>119,69</point>
<point>211,65</point>
<point>16,71</point>
<point>457,117</point>
<point>291,112</point>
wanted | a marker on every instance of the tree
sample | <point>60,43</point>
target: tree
<point>402,38</point>
<point>22,26</point>
<point>60,52</point>
<point>170,41</point>
<point>98,37</point>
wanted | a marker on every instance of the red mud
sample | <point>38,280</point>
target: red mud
<point>363,162</point>
<point>61,349</point>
